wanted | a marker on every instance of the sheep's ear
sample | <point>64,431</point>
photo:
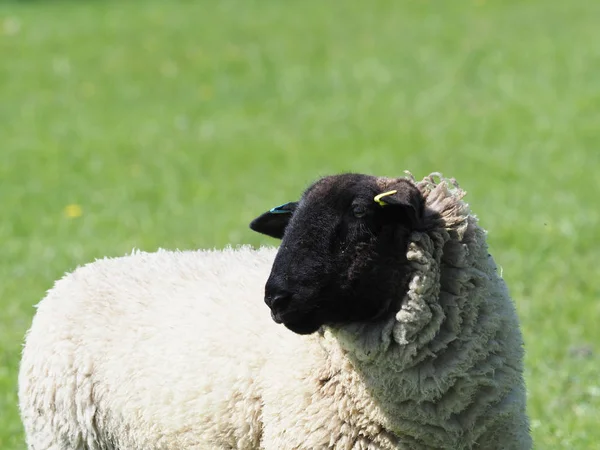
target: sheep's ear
<point>407,197</point>
<point>273,222</point>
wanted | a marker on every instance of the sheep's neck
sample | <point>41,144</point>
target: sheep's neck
<point>383,393</point>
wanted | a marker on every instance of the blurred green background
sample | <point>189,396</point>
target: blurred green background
<point>147,124</point>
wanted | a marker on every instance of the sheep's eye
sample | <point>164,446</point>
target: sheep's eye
<point>359,211</point>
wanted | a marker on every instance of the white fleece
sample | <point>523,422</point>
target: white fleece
<point>176,350</point>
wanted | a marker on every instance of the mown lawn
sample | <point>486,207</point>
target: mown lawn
<point>147,124</point>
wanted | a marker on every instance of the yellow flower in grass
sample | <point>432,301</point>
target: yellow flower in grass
<point>73,211</point>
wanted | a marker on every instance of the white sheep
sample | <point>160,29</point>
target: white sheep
<point>404,336</point>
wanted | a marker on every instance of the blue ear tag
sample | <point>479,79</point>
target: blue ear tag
<point>280,209</point>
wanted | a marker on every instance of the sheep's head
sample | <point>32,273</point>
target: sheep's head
<point>342,257</point>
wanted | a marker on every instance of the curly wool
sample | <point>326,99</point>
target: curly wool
<point>175,350</point>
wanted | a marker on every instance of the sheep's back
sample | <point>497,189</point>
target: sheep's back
<point>150,351</point>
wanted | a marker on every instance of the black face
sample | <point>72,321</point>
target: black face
<point>342,257</point>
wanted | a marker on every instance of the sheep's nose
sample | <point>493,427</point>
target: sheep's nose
<point>278,300</point>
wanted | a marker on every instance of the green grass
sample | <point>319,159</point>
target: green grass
<point>172,124</point>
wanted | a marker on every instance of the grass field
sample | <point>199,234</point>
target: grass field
<point>172,124</point>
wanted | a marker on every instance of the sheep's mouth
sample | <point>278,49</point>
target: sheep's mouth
<point>297,321</point>
<point>304,327</point>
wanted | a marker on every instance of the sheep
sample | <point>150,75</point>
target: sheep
<point>389,328</point>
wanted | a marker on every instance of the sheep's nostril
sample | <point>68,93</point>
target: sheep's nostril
<point>279,300</point>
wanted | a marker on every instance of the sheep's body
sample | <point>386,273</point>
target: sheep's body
<point>176,350</point>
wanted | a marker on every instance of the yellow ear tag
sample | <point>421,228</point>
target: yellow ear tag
<point>380,196</point>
